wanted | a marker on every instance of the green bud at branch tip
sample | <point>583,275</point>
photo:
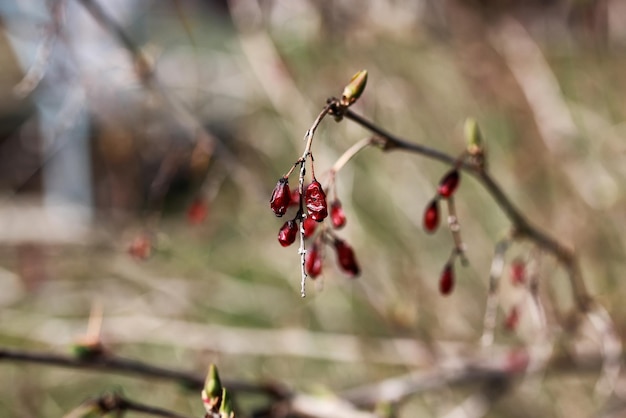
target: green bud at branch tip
<point>473,136</point>
<point>354,89</point>
<point>213,385</point>
<point>226,409</point>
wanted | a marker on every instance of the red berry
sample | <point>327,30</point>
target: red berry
<point>313,262</point>
<point>518,272</point>
<point>198,211</point>
<point>346,258</point>
<point>287,233</point>
<point>512,319</point>
<point>281,197</point>
<point>315,201</point>
<point>517,360</point>
<point>446,281</point>
<point>295,198</point>
<point>449,183</point>
<point>309,226</point>
<point>337,215</point>
<point>141,247</point>
<point>431,216</point>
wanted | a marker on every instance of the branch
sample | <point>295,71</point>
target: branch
<point>505,367</point>
<point>110,364</point>
<point>610,343</point>
<point>522,227</point>
<point>115,402</point>
<point>298,404</point>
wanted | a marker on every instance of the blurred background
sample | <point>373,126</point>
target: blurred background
<point>136,170</point>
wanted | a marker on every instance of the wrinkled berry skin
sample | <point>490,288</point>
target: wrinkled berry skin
<point>313,262</point>
<point>287,233</point>
<point>309,226</point>
<point>315,201</point>
<point>431,216</point>
<point>347,260</point>
<point>337,215</point>
<point>446,281</point>
<point>448,184</point>
<point>281,197</point>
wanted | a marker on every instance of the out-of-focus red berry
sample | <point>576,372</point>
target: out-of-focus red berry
<point>141,247</point>
<point>315,201</point>
<point>287,233</point>
<point>517,360</point>
<point>198,211</point>
<point>281,197</point>
<point>313,262</point>
<point>295,198</point>
<point>337,215</point>
<point>449,183</point>
<point>518,272</point>
<point>309,226</point>
<point>431,216</point>
<point>446,281</point>
<point>347,260</point>
<point>512,319</point>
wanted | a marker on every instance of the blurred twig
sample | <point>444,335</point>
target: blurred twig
<point>298,404</point>
<point>118,365</point>
<point>196,132</point>
<point>37,70</point>
<point>115,402</point>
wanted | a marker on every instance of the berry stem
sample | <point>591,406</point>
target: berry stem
<point>308,136</point>
<point>455,229</point>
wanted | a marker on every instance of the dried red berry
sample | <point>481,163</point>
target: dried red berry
<point>287,233</point>
<point>449,183</point>
<point>198,211</point>
<point>431,216</point>
<point>315,201</point>
<point>512,319</point>
<point>346,258</point>
<point>309,226</point>
<point>337,215</point>
<point>518,272</point>
<point>295,198</point>
<point>281,197</point>
<point>313,262</point>
<point>446,281</point>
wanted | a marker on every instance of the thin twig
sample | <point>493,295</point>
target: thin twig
<point>455,229</point>
<point>118,365</point>
<point>37,70</point>
<point>491,310</point>
<point>115,402</point>
<point>308,136</point>
<point>350,153</point>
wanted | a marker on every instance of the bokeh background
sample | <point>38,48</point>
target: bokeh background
<point>96,156</point>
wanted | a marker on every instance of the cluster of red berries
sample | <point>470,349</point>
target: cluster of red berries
<point>314,201</point>
<point>447,186</point>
